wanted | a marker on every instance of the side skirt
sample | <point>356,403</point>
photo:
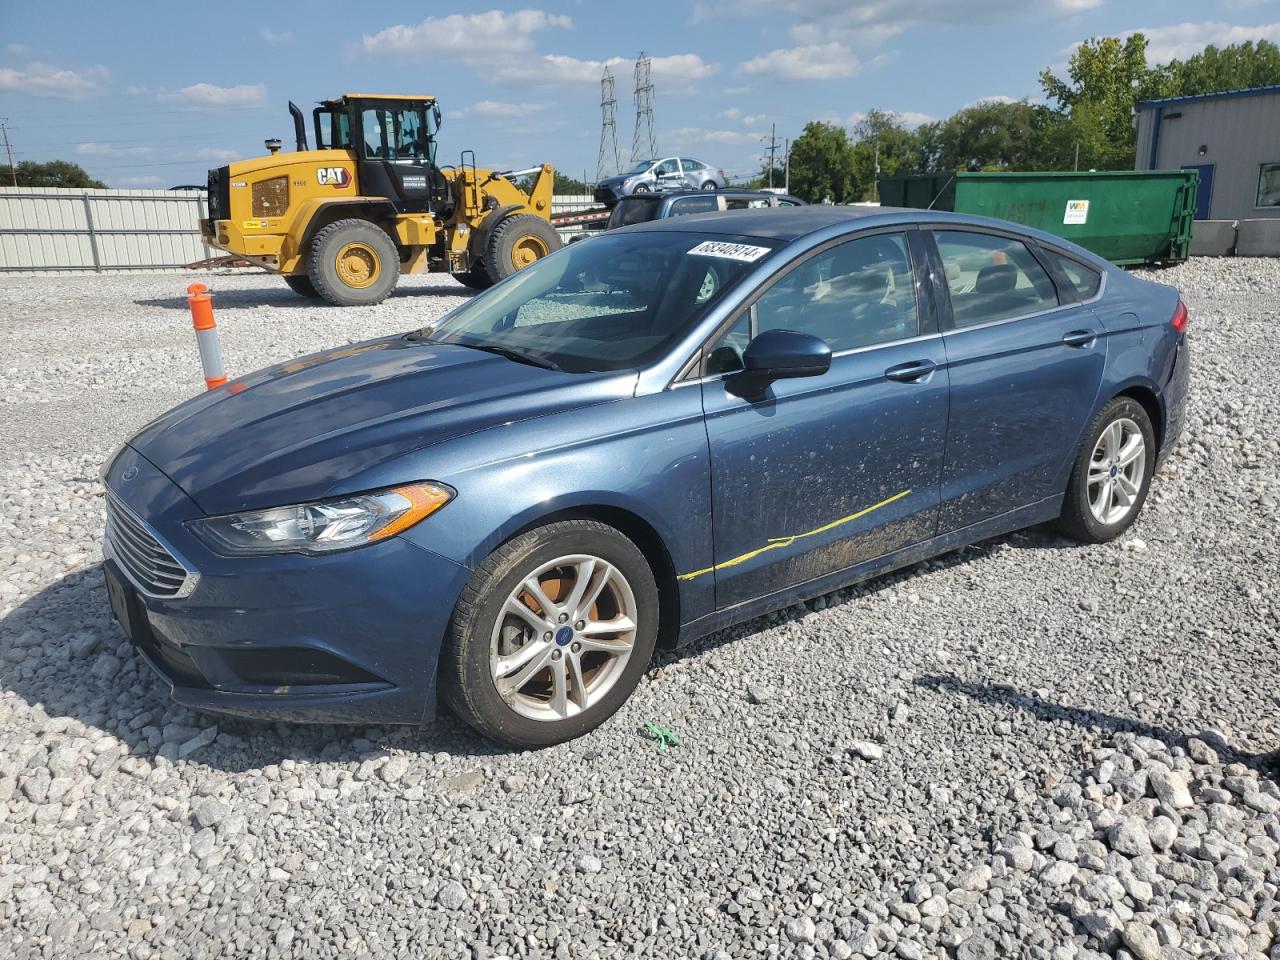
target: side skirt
<point>1027,516</point>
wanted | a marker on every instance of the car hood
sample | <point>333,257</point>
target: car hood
<point>296,431</point>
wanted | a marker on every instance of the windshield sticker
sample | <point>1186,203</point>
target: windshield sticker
<point>730,251</point>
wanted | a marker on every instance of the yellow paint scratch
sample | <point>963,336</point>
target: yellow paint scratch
<point>778,543</point>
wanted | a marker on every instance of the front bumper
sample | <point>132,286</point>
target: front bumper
<point>608,195</point>
<point>352,637</point>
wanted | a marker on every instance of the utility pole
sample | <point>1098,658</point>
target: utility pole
<point>8,151</point>
<point>786,165</point>
<point>644,144</point>
<point>608,163</point>
<point>772,140</point>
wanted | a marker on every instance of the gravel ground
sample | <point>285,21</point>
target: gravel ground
<point>1027,748</point>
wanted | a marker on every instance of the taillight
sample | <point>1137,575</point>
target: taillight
<point>1179,319</point>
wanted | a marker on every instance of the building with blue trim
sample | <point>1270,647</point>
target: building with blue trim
<point>1232,138</point>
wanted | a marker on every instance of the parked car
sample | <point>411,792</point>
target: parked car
<point>639,440</point>
<point>654,176</point>
<point>643,207</point>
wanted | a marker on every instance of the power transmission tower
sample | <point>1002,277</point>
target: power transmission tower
<point>644,145</point>
<point>608,163</point>
<point>772,140</point>
<point>13,171</point>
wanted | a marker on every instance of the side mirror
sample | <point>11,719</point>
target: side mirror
<point>779,355</point>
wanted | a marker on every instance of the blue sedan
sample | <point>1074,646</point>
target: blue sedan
<point>635,442</point>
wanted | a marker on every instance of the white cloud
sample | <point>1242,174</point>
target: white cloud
<point>688,136</point>
<point>908,118</point>
<point>275,38</point>
<point>468,37</point>
<point>217,153</point>
<point>873,21</point>
<point>212,95</point>
<point>733,113</point>
<point>751,121</point>
<point>110,150</point>
<point>554,70</point>
<point>998,98</point>
<point>16,49</point>
<point>502,110</point>
<point>41,79</point>
<point>1182,40</point>
<point>681,68</point>
<point>826,61</point>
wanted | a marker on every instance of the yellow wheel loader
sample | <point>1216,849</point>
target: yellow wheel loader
<point>342,221</point>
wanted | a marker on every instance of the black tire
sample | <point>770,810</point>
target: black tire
<point>466,682</point>
<point>642,188</point>
<point>302,286</point>
<point>323,270</point>
<point>711,185</point>
<point>1077,519</point>
<point>475,278</point>
<point>513,237</point>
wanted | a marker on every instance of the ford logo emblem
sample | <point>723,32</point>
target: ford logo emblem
<point>129,473</point>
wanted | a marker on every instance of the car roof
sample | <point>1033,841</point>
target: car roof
<point>786,224</point>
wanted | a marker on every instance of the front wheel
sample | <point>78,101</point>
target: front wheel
<point>1112,473</point>
<point>711,185</point>
<point>515,243</point>
<point>551,635</point>
<point>642,188</point>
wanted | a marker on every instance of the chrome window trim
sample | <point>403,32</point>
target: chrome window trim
<point>192,578</point>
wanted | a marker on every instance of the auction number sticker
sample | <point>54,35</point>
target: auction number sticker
<point>730,251</point>
<point>1077,212</point>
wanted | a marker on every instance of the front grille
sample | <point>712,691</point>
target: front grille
<point>146,561</point>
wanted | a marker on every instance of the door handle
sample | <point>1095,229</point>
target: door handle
<point>912,372</point>
<point>1079,338</point>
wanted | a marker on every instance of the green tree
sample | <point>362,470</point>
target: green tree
<point>54,173</point>
<point>568,185</point>
<point>994,135</point>
<point>1105,77</point>
<point>822,164</point>
<point>1215,69</point>
<point>883,147</point>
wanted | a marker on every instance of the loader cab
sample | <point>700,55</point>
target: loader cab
<point>393,140</point>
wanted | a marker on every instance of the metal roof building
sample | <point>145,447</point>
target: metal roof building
<point>1232,138</point>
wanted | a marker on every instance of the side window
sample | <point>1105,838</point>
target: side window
<point>690,164</point>
<point>853,295</point>
<point>1084,280</point>
<point>687,205</point>
<point>375,137</point>
<point>1269,185</point>
<point>664,168</point>
<point>725,355</point>
<point>992,278</point>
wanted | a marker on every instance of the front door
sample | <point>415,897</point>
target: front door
<point>397,156</point>
<point>822,473</point>
<point>1025,374</point>
<point>666,175</point>
<point>1204,192</point>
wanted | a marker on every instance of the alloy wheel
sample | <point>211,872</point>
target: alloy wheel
<point>563,637</point>
<point>1117,470</point>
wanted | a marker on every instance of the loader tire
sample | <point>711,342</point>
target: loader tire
<point>517,242</point>
<point>475,278</point>
<point>302,286</point>
<point>353,263</point>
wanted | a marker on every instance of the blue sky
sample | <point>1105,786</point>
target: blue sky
<point>148,94</point>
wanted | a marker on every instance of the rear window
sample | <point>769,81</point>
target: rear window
<point>633,210</point>
<point>992,278</point>
<point>688,205</point>
<point>1084,280</point>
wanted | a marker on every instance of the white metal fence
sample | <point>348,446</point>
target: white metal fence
<point>54,229</point>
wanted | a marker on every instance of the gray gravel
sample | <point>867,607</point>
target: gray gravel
<point>1023,749</point>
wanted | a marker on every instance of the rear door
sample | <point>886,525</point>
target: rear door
<point>1026,364</point>
<point>822,473</point>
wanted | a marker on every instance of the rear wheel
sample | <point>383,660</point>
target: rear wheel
<point>1112,473</point>
<point>353,263</point>
<point>517,242</point>
<point>551,635</point>
<point>711,185</point>
<point>302,286</point>
<point>475,278</point>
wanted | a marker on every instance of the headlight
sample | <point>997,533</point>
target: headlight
<point>324,525</point>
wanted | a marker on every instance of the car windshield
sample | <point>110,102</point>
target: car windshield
<point>640,167</point>
<point>611,303</point>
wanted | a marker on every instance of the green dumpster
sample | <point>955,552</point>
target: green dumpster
<point>1127,216</point>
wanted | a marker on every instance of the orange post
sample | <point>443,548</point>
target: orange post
<point>201,304</point>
